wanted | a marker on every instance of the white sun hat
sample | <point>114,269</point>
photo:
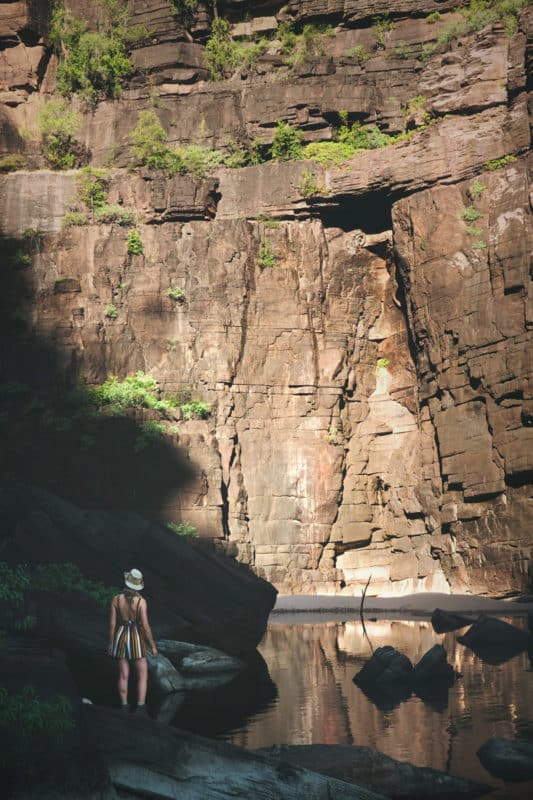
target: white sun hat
<point>134,579</point>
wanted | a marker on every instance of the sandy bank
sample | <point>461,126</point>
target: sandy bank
<point>413,605</point>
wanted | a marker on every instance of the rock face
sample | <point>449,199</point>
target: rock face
<point>173,763</point>
<point>371,411</point>
<point>195,593</point>
<point>367,767</point>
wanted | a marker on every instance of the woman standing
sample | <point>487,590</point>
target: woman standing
<point>129,630</point>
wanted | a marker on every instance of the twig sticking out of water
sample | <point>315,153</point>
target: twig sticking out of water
<point>361,611</point>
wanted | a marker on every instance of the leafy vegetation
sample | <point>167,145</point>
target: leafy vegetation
<point>382,363</point>
<point>94,64</point>
<point>58,125</point>
<point>470,214</point>
<point>300,47</point>
<point>20,259</point>
<point>287,142</point>
<point>195,409</point>
<point>176,293</point>
<point>149,141</point>
<point>135,391</point>
<point>479,245</point>
<point>150,433</point>
<point>380,28</point>
<point>183,529</point>
<point>12,162</point>
<point>107,214</point>
<point>471,230</point>
<point>499,163</point>
<point>358,53</point>
<point>476,189</point>
<point>110,311</point>
<point>309,185</point>
<point>135,244</point>
<point>480,13</point>
<point>74,219</point>
<point>402,51</point>
<point>32,729</point>
<point>435,16</point>
<point>92,187</point>
<point>220,50</point>
<point>267,256</point>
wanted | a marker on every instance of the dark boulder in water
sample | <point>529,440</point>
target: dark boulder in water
<point>386,666</point>
<point>494,640</point>
<point>445,621</point>
<point>433,666</point>
<point>511,761</point>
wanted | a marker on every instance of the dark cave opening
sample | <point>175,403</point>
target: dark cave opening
<point>371,213</point>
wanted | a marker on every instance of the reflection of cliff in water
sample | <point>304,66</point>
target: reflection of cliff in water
<point>313,665</point>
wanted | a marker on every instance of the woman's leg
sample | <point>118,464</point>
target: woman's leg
<point>123,675</point>
<point>141,666</point>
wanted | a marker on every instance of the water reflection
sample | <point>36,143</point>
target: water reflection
<point>313,665</point>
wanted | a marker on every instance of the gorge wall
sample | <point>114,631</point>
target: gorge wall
<point>370,389</point>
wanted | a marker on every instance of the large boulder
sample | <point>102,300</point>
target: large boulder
<point>494,640</point>
<point>511,761</point>
<point>193,594</point>
<point>150,759</point>
<point>433,666</point>
<point>368,767</point>
<point>445,621</point>
<point>386,666</point>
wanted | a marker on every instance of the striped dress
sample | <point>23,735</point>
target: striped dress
<point>128,639</point>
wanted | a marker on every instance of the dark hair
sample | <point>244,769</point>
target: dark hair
<point>129,594</point>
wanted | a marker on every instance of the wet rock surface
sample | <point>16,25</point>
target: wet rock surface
<point>495,640</point>
<point>370,768</point>
<point>172,761</point>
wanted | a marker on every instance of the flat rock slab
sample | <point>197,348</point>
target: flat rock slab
<point>494,640</point>
<point>154,760</point>
<point>511,761</point>
<point>368,767</point>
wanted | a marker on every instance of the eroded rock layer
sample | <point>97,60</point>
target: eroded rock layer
<point>371,404</point>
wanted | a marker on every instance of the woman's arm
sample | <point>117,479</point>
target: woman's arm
<point>112,624</point>
<point>143,608</point>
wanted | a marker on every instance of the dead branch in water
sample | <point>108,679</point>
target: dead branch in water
<point>361,611</point>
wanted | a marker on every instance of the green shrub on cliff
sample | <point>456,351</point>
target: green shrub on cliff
<point>94,64</point>
<point>58,125</point>
<point>12,162</point>
<point>300,47</point>
<point>135,243</point>
<point>149,141</point>
<point>287,143</point>
<point>220,50</point>
<point>92,187</point>
<point>195,409</point>
<point>500,163</point>
<point>380,28</point>
<point>183,529</point>
<point>110,311</point>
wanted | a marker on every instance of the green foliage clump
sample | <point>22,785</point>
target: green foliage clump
<point>198,160</point>
<point>92,187</point>
<point>135,391</point>
<point>470,214</point>
<point>58,125</point>
<point>266,257</point>
<point>74,219</point>
<point>114,213</point>
<point>183,9</point>
<point>110,311</point>
<point>382,363</point>
<point>309,186</point>
<point>220,50</point>
<point>310,43</point>
<point>479,245</point>
<point>149,141</point>
<point>381,26</point>
<point>33,730</point>
<point>287,142</point>
<point>195,409</point>
<point>94,64</point>
<point>150,433</point>
<point>268,221</point>
<point>16,581</point>
<point>135,244</point>
<point>20,259</point>
<point>402,51</point>
<point>176,293</point>
<point>359,54</point>
<point>499,163</point>
<point>12,162</point>
<point>477,189</point>
<point>471,230</point>
<point>435,16</point>
<point>183,529</point>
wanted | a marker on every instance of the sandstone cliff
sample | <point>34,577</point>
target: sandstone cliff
<point>371,404</point>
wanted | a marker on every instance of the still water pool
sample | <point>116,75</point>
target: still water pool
<point>312,699</point>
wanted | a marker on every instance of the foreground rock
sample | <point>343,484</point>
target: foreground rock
<point>494,640</point>
<point>445,621</point>
<point>193,594</point>
<point>150,759</point>
<point>200,667</point>
<point>511,761</point>
<point>368,767</point>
